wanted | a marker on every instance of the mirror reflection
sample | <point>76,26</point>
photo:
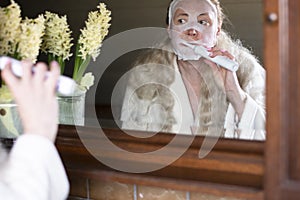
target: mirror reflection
<point>180,87</point>
<point>171,87</point>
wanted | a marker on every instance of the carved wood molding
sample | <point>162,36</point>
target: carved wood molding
<point>232,168</point>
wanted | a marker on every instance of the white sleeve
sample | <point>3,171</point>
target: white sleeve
<point>251,125</point>
<point>33,171</point>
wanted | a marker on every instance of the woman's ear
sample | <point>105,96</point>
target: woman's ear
<point>219,29</point>
<point>169,30</point>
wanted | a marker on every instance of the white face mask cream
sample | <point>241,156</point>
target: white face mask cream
<point>193,22</point>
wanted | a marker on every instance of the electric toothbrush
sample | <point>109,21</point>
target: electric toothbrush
<point>65,85</point>
<point>222,61</point>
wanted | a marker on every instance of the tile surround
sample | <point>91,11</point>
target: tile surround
<point>89,189</point>
<point>201,196</point>
<point>100,190</point>
<point>154,193</point>
<point>78,187</point>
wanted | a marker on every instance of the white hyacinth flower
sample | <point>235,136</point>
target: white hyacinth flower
<point>57,38</point>
<point>30,40</point>
<point>90,40</point>
<point>87,80</point>
<point>10,19</point>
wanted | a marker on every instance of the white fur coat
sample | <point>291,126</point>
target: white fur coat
<point>155,98</point>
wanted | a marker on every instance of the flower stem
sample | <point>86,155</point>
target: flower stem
<point>82,69</point>
<point>59,60</point>
<point>78,62</point>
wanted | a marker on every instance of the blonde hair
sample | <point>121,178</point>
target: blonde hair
<point>220,13</point>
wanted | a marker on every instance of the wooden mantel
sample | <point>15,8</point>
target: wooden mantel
<point>232,168</point>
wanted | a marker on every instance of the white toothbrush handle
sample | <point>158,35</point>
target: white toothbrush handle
<point>65,85</point>
<point>225,62</point>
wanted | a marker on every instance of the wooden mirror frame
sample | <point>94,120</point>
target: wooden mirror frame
<point>241,169</point>
<point>282,58</point>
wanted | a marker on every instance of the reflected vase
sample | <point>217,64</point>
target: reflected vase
<point>10,121</point>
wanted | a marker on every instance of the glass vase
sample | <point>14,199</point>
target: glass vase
<point>72,109</point>
<point>71,112</point>
<point>10,121</point>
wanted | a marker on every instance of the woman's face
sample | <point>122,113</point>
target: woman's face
<point>194,22</point>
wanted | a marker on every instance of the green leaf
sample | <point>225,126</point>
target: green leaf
<point>82,69</point>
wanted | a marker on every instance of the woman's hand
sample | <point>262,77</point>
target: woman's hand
<point>36,98</point>
<point>227,81</point>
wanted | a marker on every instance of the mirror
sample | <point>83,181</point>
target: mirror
<point>245,22</point>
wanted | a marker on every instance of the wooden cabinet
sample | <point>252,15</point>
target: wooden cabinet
<point>282,58</point>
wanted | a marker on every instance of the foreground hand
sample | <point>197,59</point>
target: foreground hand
<point>36,98</point>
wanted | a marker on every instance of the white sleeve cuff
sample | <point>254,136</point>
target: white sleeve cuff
<point>251,124</point>
<point>247,120</point>
<point>33,152</point>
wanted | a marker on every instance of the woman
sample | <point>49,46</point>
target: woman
<point>173,89</point>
